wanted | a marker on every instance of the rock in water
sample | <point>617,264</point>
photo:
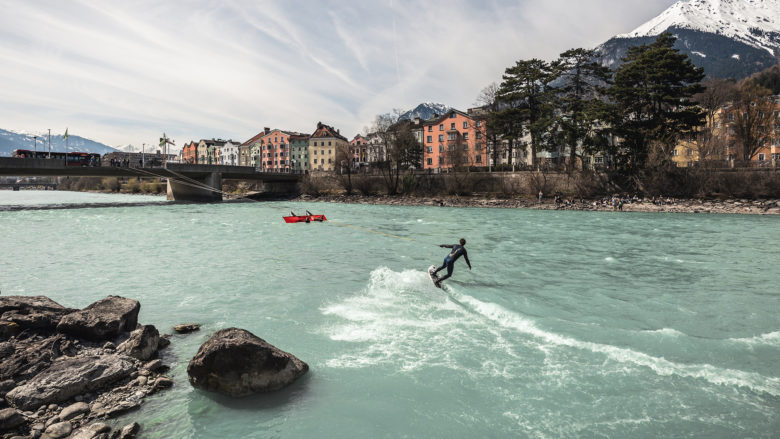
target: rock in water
<point>142,343</point>
<point>237,363</point>
<point>68,377</point>
<point>186,328</point>
<point>103,320</point>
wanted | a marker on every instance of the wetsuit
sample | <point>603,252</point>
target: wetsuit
<point>449,261</point>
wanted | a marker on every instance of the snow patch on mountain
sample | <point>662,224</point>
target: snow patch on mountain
<point>753,22</point>
<point>11,140</point>
<point>425,111</point>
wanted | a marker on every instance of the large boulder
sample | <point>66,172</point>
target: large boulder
<point>237,363</point>
<point>31,312</point>
<point>142,343</point>
<point>103,320</point>
<point>68,377</point>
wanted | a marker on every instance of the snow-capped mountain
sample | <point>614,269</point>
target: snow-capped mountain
<point>9,141</point>
<point>728,38</point>
<point>425,111</point>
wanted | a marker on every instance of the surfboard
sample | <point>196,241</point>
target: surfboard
<point>433,275</point>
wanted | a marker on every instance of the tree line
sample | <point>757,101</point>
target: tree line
<point>575,107</point>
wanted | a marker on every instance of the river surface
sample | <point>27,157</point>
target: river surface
<point>571,324</point>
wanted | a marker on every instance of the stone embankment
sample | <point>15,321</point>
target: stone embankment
<point>736,206</point>
<point>64,373</point>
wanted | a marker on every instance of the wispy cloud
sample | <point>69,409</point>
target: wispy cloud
<point>124,72</point>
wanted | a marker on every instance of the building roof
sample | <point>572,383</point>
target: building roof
<point>439,119</point>
<point>324,131</point>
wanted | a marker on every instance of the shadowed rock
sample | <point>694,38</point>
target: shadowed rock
<point>237,363</point>
<point>32,312</point>
<point>102,320</point>
<point>9,419</point>
<point>31,357</point>
<point>142,343</point>
<point>68,377</point>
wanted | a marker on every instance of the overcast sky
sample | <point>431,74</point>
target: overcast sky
<point>123,72</point>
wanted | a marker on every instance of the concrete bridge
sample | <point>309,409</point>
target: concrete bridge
<point>185,182</point>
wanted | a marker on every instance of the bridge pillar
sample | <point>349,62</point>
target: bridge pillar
<point>206,191</point>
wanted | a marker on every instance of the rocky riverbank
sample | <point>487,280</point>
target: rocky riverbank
<point>741,206</point>
<point>65,373</point>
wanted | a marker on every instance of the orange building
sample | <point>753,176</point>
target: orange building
<point>455,139</point>
<point>272,150</point>
<point>189,153</point>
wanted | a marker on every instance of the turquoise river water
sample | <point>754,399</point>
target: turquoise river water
<point>571,324</point>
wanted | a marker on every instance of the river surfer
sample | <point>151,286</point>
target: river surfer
<point>457,251</point>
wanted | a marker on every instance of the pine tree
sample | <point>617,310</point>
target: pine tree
<point>652,94</point>
<point>581,84</point>
<point>526,89</point>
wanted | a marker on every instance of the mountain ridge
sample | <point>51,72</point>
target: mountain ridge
<point>11,140</point>
<point>729,39</point>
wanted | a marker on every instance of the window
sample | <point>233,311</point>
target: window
<point>465,136</point>
<point>315,161</point>
<point>330,151</point>
<point>452,136</point>
<point>315,152</point>
<point>429,139</point>
<point>478,134</point>
<point>330,160</point>
<point>465,125</point>
<point>478,159</point>
<point>429,150</point>
<point>761,157</point>
<point>328,142</point>
<point>430,128</point>
<point>441,137</point>
<point>322,151</point>
<point>441,127</point>
<point>441,148</point>
<point>479,123</point>
<point>315,143</point>
<point>676,153</point>
<point>452,126</point>
<point>452,115</point>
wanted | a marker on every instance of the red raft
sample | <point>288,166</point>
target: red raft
<point>304,218</point>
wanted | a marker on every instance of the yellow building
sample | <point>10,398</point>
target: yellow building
<point>323,144</point>
<point>687,151</point>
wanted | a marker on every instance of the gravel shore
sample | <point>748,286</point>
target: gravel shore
<point>734,206</point>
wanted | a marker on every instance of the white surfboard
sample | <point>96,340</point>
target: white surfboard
<point>433,275</point>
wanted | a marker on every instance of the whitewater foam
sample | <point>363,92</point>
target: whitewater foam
<point>660,366</point>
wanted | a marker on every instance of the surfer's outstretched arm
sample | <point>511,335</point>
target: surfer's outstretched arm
<point>466,258</point>
<point>446,245</point>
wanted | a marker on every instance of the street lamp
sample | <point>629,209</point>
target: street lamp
<point>35,143</point>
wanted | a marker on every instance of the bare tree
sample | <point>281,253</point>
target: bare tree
<point>488,99</point>
<point>753,119</point>
<point>710,142</point>
<point>344,165</point>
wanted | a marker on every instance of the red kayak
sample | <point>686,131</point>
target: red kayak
<point>304,218</point>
